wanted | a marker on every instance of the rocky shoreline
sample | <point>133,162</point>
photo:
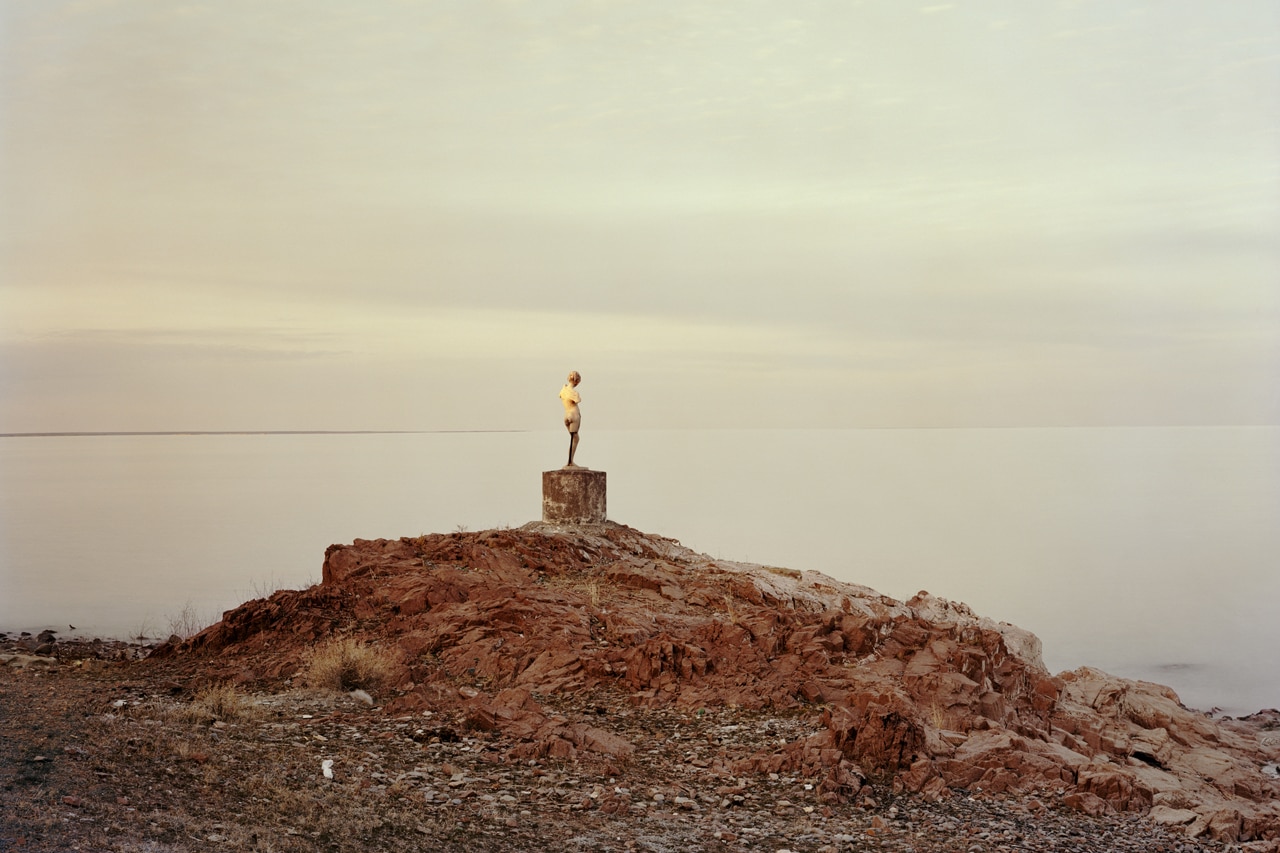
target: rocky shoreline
<point>25,645</point>
<point>600,688</point>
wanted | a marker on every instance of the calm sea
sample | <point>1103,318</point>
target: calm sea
<point>1151,553</point>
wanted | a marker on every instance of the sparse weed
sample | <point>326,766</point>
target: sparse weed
<point>272,584</point>
<point>146,630</point>
<point>264,589</point>
<point>345,664</point>
<point>586,586</point>
<point>188,622</point>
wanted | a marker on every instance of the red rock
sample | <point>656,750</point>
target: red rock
<point>1090,804</point>
<point>560,748</point>
<point>481,719</point>
<point>925,692</point>
<point>600,741</point>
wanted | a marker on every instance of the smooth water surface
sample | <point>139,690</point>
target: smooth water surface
<point>1150,553</point>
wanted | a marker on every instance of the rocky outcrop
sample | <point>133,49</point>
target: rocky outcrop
<point>924,694</point>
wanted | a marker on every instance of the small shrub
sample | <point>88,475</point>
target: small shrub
<point>347,665</point>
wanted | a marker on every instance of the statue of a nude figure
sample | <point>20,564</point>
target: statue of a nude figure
<point>572,416</point>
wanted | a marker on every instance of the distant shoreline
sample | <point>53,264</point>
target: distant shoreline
<point>1002,427</point>
<point>252,432</point>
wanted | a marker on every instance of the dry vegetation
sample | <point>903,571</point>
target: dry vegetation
<point>345,664</point>
<point>222,702</point>
<point>188,622</point>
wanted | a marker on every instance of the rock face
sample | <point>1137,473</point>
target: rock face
<point>924,693</point>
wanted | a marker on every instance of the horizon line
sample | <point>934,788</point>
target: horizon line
<point>198,432</point>
<point>86,433</point>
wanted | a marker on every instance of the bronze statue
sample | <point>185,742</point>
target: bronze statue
<point>572,416</point>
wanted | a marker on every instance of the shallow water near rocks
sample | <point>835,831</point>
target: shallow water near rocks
<point>1147,552</point>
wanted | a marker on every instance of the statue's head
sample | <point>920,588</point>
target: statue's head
<point>574,377</point>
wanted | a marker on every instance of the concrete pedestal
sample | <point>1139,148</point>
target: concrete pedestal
<point>573,496</point>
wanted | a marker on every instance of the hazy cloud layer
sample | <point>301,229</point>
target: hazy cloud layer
<point>392,215</point>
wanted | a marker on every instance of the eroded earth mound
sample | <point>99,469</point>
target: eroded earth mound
<point>923,694</point>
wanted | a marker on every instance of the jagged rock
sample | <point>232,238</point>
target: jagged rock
<point>924,693</point>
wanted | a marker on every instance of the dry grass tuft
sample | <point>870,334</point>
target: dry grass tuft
<point>939,715</point>
<point>347,665</point>
<point>220,702</point>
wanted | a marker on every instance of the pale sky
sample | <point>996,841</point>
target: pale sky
<point>399,215</point>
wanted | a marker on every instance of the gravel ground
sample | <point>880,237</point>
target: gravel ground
<point>127,756</point>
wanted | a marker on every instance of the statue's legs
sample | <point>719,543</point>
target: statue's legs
<point>573,445</point>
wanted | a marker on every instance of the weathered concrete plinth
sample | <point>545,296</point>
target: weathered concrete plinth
<point>573,496</point>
